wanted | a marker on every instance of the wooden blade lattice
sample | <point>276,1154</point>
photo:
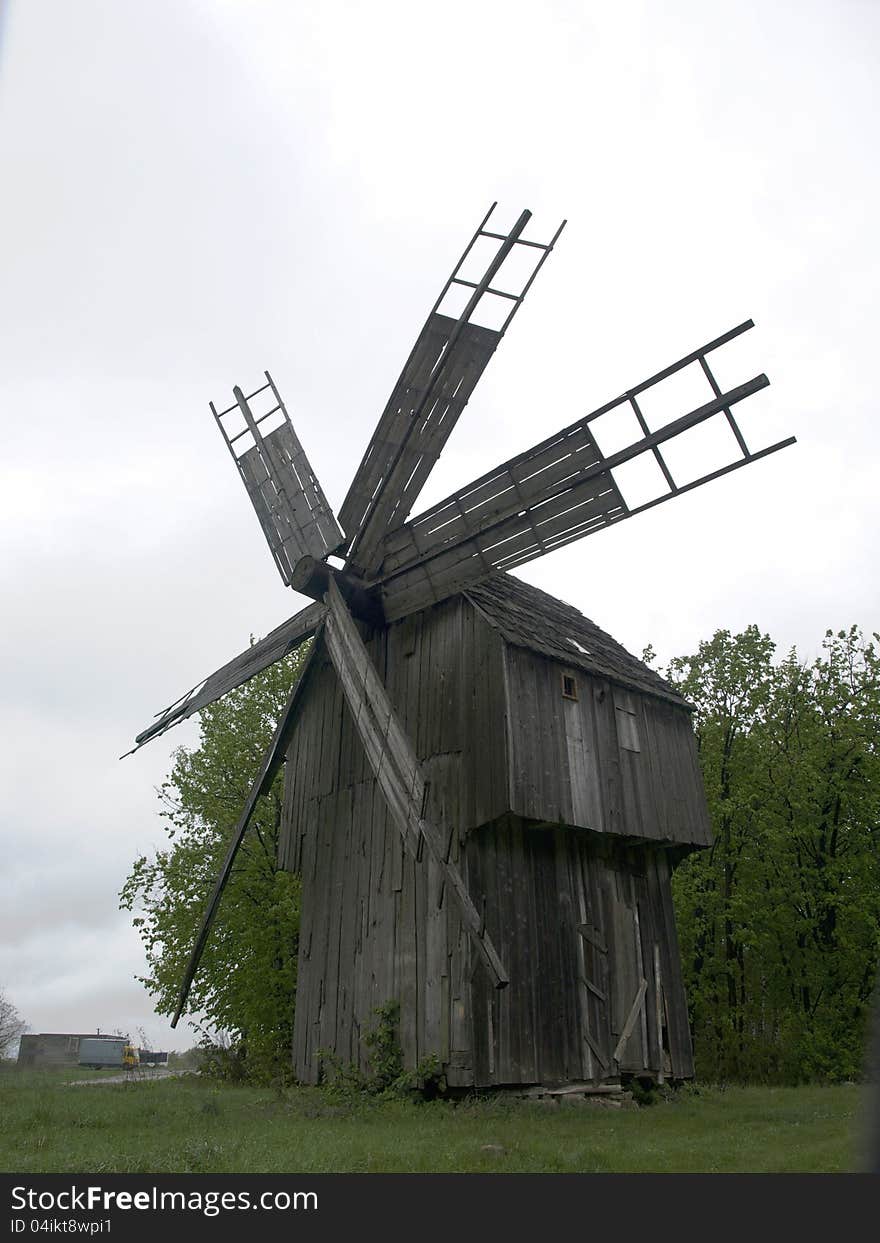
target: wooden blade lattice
<point>283,640</point>
<point>561,490</point>
<point>442,371</point>
<point>296,519</point>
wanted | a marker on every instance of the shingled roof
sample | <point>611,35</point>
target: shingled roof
<point>533,619</point>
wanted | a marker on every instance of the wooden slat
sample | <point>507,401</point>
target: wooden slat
<point>526,479</point>
<point>293,512</point>
<point>658,1012</point>
<point>420,415</point>
<point>520,515</point>
<point>520,535</point>
<point>283,640</point>
<point>635,1011</point>
<point>426,402</point>
<point>396,766</point>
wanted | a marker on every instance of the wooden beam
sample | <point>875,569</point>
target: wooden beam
<point>559,491</point>
<point>283,640</point>
<point>272,761</point>
<point>396,767</point>
<point>658,1012</point>
<point>311,577</point>
<point>437,381</point>
<point>593,988</point>
<point>594,1046</point>
<point>406,466</point>
<point>288,499</point>
<point>635,1011</point>
<point>594,936</point>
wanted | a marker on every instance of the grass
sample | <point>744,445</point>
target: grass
<point>189,1125</point>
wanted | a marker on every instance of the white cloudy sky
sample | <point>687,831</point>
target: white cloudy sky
<point>196,190</point>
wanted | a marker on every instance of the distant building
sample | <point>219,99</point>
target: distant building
<point>54,1048</point>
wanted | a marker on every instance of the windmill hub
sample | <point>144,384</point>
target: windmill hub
<point>311,577</point>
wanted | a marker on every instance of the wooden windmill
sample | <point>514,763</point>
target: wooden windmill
<point>484,793</point>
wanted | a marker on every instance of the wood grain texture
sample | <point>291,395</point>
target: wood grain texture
<point>574,911</point>
<point>397,769</point>
<point>561,490</point>
<point>425,404</point>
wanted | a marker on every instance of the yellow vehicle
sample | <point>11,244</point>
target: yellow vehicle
<point>102,1052</point>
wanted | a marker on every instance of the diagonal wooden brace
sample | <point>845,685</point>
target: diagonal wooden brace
<point>396,766</point>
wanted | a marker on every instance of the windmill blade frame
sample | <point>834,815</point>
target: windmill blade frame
<point>437,380</point>
<point>289,502</point>
<point>279,643</point>
<point>560,490</point>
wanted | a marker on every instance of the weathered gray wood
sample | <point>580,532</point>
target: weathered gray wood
<point>279,643</point>
<point>429,396</point>
<point>532,477</point>
<point>284,491</point>
<point>515,532</point>
<point>449,674</point>
<point>640,964</point>
<point>396,766</point>
<point>418,420</point>
<point>635,1011</point>
<point>658,1012</point>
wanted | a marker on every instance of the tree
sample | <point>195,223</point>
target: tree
<point>246,982</point>
<point>11,1025</point>
<point>780,920</point>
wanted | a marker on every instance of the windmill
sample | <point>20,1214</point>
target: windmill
<point>485,794</point>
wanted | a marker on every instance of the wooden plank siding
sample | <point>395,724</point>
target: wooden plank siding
<point>561,830</point>
<point>572,761</point>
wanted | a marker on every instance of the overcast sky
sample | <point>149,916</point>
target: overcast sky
<point>194,191</point>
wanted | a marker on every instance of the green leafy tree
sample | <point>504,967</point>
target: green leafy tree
<point>244,989</point>
<point>779,920</point>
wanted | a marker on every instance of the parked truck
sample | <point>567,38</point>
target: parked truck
<point>107,1051</point>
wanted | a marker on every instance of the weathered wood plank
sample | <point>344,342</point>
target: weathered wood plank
<point>567,510</point>
<point>282,640</point>
<point>635,1011</point>
<point>399,443</point>
<point>395,764</point>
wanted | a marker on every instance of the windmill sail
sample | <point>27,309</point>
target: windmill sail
<point>442,371</point>
<point>284,490</point>
<point>283,640</point>
<point>560,490</point>
<point>271,763</point>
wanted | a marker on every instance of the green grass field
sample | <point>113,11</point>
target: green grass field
<point>188,1125</point>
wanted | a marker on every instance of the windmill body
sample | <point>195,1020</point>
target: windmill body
<point>485,794</point>
<point>569,782</point>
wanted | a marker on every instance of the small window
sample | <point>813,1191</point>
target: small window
<point>626,715</point>
<point>627,730</point>
<point>569,686</point>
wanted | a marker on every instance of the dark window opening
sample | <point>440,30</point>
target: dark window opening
<point>569,686</point>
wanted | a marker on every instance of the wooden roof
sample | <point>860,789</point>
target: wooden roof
<point>530,618</point>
